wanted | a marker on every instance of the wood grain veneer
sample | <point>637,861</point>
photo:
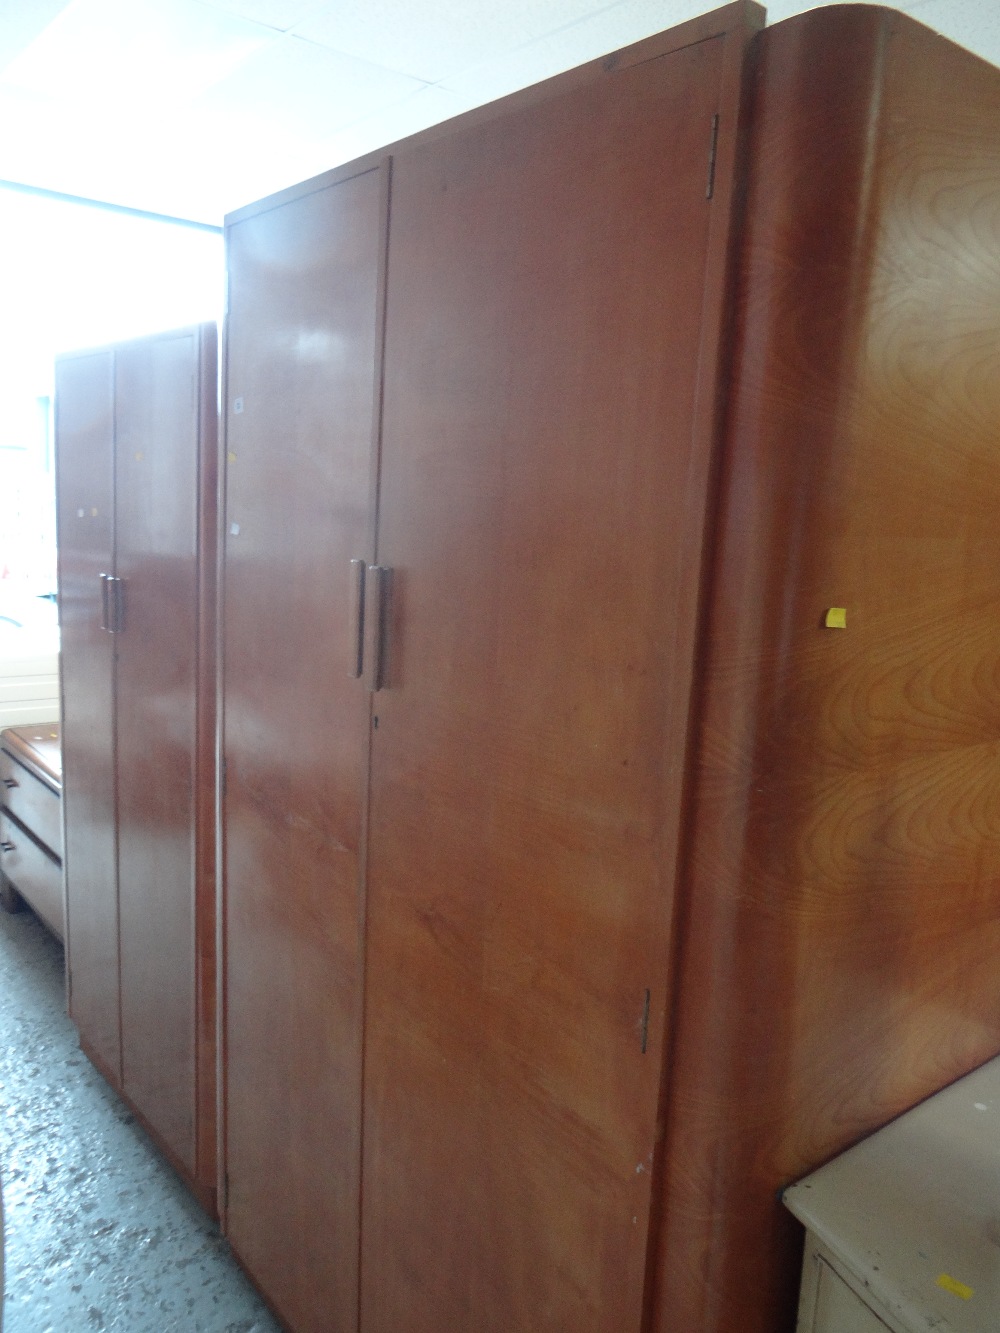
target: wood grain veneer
<point>302,390</point>
<point>842,932</point>
<point>136,467</point>
<point>542,490</point>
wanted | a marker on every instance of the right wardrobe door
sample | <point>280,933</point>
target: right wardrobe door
<point>544,316</point>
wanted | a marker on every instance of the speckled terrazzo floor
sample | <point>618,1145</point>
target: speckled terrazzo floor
<point>100,1233</point>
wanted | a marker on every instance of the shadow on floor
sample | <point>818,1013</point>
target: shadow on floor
<point>100,1233</point>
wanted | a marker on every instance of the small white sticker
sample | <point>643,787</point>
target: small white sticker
<point>234,529</point>
<point>79,513</point>
<point>237,406</point>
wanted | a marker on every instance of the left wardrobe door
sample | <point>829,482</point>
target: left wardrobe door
<point>302,398</point>
<point>85,435</point>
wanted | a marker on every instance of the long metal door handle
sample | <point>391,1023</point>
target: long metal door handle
<point>117,617</point>
<point>104,601</point>
<point>377,594</point>
<point>356,619</point>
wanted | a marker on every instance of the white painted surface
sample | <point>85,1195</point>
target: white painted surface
<point>29,665</point>
<point>839,1309</point>
<point>911,1216</point>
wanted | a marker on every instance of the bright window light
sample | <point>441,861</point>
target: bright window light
<point>73,276</point>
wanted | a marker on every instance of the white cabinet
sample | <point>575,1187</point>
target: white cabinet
<point>903,1230</point>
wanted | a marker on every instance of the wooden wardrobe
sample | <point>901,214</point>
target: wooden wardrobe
<point>136,478</point>
<point>584,880</point>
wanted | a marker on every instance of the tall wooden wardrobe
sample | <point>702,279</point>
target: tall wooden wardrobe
<point>136,468</point>
<point>607,593</point>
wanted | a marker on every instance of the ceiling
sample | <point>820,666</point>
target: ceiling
<point>194,107</point>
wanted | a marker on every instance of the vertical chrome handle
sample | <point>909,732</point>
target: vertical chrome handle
<point>116,619</point>
<point>377,591</point>
<point>104,600</point>
<point>356,619</point>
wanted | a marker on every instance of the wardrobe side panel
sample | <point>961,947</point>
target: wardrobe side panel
<point>841,958</point>
<point>302,391</point>
<point>157,490</point>
<point>85,508</point>
<point>545,293</point>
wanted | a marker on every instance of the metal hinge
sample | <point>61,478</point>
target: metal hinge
<point>713,148</point>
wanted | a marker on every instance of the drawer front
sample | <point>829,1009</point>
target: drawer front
<point>32,802</point>
<point>35,875</point>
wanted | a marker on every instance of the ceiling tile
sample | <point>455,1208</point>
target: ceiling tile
<point>134,52</point>
<point>301,89</point>
<point>591,37</point>
<point>974,24</point>
<point>21,21</point>
<point>432,40</point>
<point>279,14</point>
<point>223,108</point>
<point>429,106</point>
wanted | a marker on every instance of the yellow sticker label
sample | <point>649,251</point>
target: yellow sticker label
<point>138,455</point>
<point>955,1287</point>
<point>231,456</point>
<point>836,617</point>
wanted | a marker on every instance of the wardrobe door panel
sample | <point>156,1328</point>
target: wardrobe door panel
<point>545,288</point>
<point>157,488</point>
<point>85,452</point>
<point>302,344</point>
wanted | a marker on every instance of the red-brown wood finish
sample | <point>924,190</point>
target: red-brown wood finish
<point>301,399</point>
<point>158,393</point>
<point>84,395</point>
<point>842,933</point>
<point>140,925</point>
<point>542,491</point>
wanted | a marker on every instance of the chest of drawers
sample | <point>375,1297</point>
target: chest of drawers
<point>31,822</point>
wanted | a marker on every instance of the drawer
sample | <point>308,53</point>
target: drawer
<point>36,875</point>
<point>29,800</point>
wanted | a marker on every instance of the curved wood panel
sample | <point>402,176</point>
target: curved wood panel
<point>842,944</point>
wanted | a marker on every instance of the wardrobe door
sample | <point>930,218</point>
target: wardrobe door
<point>157,491</point>
<point>544,314</point>
<point>301,369</point>
<point>85,491</point>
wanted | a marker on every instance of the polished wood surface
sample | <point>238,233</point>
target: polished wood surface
<point>546,285</point>
<point>141,922</point>
<point>156,484</point>
<point>842,932</point>
<point>84,434</point>
<point>301,394</point>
